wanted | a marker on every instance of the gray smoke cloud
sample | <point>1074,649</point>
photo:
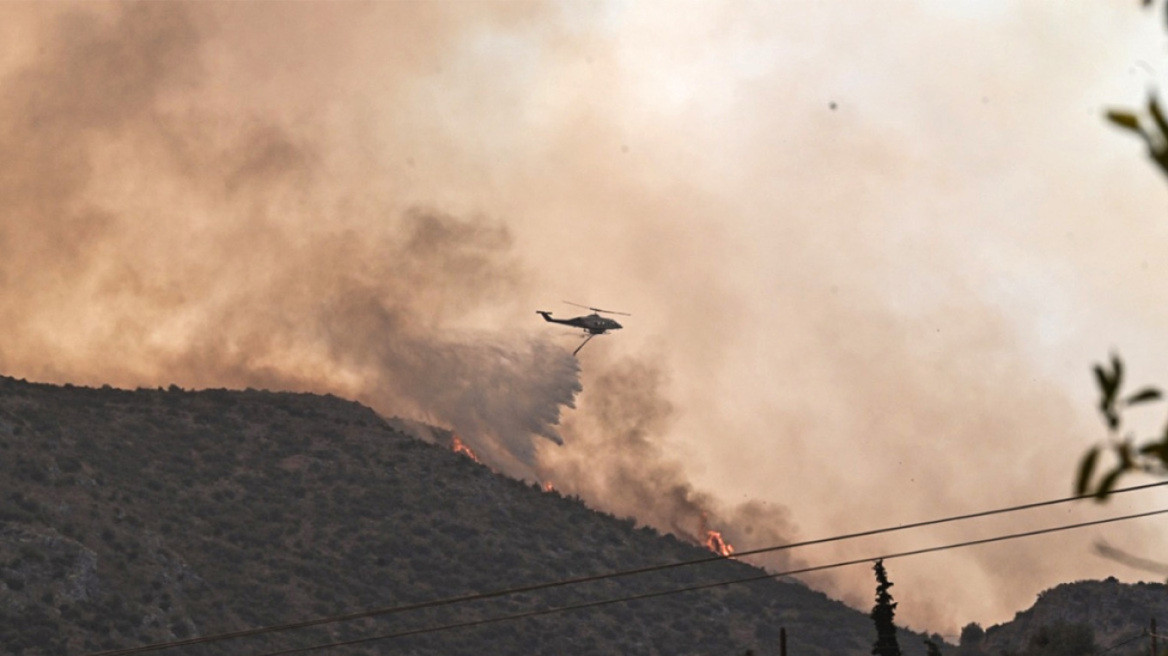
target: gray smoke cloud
<point>869,251</point>
<point>614,458</point>
<point>218,247</point>
<point>149,239</point>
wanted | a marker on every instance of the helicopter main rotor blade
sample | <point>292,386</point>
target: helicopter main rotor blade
<point>587,307</point>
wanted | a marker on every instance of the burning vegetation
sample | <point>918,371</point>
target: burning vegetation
<point>457,446</point>
<point>716,543</point>
<point>714,540</point>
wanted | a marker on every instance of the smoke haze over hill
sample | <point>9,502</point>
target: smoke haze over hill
<point>156,238</point>
<point>867,270</point>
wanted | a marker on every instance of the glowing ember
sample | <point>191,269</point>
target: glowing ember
<point>715,542</point>
<point>548,487</point>
<point>457,446</point>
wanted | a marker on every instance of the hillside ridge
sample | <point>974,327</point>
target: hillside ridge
<point>134,517</point>
<point>1112,613</point>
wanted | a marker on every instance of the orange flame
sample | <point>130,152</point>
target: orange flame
<point>457,446</point>
<point>716,543</point>
<point>714,540</point>
<point>548,487</point>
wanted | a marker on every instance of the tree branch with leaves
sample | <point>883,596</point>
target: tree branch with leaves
<point>1131,454</point>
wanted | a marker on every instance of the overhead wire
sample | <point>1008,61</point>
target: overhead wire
<point>1141,634</point>
<point>480,596</point>
<point>387,610</point>
<point>705,586</point>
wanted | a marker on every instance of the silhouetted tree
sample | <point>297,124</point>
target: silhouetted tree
<point>882,614</point>
<point>931,648</point>
<point>971,639</point>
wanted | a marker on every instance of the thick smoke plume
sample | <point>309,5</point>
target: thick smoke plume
<point>615,459</point>
<point>870,266</point>
<point>151,240</point>
<point>157,240</point>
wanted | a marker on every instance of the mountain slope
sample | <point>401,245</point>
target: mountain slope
<point>1115,612</point>
<point>132,517</point>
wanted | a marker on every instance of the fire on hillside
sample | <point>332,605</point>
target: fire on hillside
<point>457,446</point>
<point>714,540</point>
<point>709,538</point>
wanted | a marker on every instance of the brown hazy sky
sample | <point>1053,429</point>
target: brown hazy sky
<point>871,249</point>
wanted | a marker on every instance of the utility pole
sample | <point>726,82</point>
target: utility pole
<point>1152,633</point>
<point>783,640</point>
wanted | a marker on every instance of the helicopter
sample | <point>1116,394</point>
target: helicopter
<point>593,324</point>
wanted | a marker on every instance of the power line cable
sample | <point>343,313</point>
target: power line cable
<point>704,586</point>
<point>1141,634</point>
<point>388,610</point>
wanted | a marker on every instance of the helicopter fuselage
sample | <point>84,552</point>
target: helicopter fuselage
<point>592,323</point>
